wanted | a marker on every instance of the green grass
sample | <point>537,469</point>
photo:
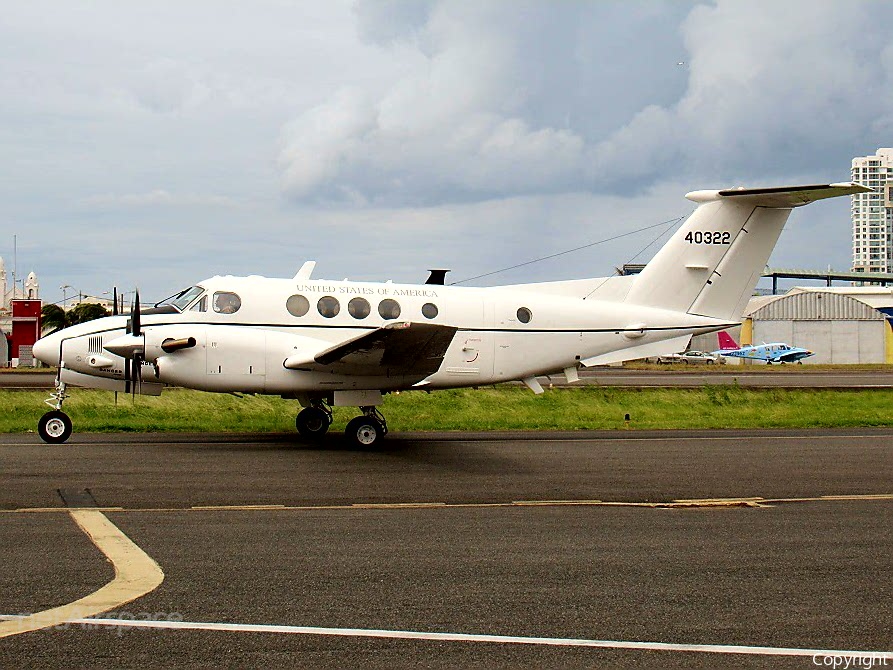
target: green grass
<point>490,408</point>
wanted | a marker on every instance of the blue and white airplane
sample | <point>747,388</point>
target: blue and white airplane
<point>776,352</point>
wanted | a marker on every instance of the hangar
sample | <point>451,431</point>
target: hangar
<point>841,325</point>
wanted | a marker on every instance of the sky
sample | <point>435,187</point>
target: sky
<point>153,145</point>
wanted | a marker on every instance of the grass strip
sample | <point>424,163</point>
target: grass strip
<point>490,408</point>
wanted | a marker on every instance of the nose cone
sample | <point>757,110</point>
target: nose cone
<point>46,350</point>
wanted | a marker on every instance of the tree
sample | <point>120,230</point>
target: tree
<point>87,311</point>
<point>54,317</point>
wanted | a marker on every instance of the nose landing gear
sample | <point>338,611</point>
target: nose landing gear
<point>55,426</point>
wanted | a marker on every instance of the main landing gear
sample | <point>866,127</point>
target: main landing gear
<point>55,426</point>
<point>364,431</point>
<point>313,422</point>
<point>367,430</point>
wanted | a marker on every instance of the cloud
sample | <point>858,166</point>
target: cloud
<point>505,99</point>
<point>156,198</point>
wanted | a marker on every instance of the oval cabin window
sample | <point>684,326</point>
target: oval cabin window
<point>524,315</point>
<point>359,308</point>
<point>297,305</point>
<point>429,310</point>
<point>328,306</point>
<point>389,309</point>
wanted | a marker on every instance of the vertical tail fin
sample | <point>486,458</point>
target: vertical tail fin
<point>713,262</point>
<point>726,341</point>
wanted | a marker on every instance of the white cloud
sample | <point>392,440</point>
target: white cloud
<point>768,89</point>
<point>158,197</point>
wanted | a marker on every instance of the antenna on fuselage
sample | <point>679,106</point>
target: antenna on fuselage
<point>436,277</point>
<point>306,270</point>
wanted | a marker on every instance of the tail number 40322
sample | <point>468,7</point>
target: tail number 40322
<point>708,237</point>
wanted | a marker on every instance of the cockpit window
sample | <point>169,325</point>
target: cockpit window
<point>201,305</point>
<point>226,302</point>
<point>182,299</point>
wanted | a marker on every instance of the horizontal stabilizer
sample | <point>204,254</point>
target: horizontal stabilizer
<point>780,196</point>
<point>662,348</point>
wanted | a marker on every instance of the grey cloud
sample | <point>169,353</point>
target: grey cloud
<point>512,98</point>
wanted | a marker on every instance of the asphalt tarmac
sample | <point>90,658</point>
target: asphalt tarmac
<point>583,550</point>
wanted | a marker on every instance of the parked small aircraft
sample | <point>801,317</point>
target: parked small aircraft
<point>776,352</point>
<point>339,343</point>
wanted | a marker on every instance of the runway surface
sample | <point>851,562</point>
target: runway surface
<point>573,549</point>
<point>752,376</point>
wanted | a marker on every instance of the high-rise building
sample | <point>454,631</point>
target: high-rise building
<point>872,213</point>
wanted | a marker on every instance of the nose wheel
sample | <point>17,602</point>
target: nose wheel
<point>54,427</point>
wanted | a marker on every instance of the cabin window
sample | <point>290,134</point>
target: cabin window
<point>389,309</point>
<point>226,302</point>
<point>429,310</point>
<point>359,308</point>
<point>328,306</point>
<point>297,305</point>
<point>524,315</point>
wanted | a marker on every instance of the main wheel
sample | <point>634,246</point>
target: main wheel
<point>364,432</point>
<point>54,427</point>
<point>312,423</point>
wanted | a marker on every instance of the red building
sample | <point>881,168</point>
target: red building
<point>25,330</point>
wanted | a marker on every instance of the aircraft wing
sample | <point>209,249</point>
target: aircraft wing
<point>401,348</point>
<point>793,356</point>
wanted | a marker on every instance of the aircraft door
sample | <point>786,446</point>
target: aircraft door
<point>471,354</point>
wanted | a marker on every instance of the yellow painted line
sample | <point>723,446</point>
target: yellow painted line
<point>651,504</point>
<point>235,507</point>
<point>522,503</point>
<point>409,505</point>
<point>136,574</point>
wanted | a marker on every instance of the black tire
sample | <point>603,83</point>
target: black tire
<point>312,423</point>
<point>54,427</point>
<point>364,432</point>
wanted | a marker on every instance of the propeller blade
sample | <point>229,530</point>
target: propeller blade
<point>114,301</point>
<point>135,315</point>
<point>137,374</point>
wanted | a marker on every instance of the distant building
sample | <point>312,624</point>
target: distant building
<point>29,290</point>
<point>872,213</point>
<point>9,291</point>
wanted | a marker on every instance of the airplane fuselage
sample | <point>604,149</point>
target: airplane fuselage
<point>502,334</point>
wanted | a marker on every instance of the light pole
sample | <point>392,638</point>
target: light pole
<point>64,288</point>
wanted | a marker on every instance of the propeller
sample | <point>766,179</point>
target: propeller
<point>133,365</point>
<point>114,301</point>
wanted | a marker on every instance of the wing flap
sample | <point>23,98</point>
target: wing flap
<point>401,348</point>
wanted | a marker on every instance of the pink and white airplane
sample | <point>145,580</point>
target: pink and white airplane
<point>776,352</point>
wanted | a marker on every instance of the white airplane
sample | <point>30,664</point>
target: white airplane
<point>339,343</point>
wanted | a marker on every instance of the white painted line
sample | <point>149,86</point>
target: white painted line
<point>136,574</point>
<point>470,637</point>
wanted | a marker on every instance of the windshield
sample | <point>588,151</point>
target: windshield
<point>182,299</point>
